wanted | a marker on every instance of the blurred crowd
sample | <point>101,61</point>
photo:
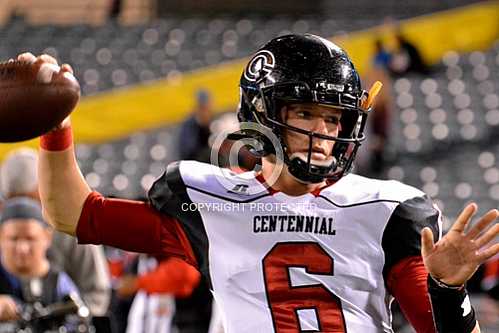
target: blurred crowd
<point>124,292</point>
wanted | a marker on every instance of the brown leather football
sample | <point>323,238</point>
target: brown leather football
<point>34,98</point>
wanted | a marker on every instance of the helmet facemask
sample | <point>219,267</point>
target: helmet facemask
<point>267,108</point>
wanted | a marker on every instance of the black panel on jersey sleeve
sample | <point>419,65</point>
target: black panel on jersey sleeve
<point>168,195</point>
<point>402,234</point>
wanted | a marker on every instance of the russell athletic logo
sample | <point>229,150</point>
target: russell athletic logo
<point>260,66</point>
<point>240,189</point>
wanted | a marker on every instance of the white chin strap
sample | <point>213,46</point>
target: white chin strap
<point>321,163</point>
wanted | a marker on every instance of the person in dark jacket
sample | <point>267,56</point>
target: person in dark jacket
<point>195,131</point>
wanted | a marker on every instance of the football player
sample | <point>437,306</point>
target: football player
<point>318,249</point>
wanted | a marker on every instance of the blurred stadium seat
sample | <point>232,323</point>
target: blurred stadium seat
<point>446,133</point>
<point>113,55</point>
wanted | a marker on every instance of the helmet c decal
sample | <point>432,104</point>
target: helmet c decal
<point>260,66</point>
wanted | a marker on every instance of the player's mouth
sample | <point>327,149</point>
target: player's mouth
<point>318,153</point>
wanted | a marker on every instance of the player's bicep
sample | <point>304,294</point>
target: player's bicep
<point>129,225</point>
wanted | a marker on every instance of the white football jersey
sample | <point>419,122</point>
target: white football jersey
<point>309,263</point>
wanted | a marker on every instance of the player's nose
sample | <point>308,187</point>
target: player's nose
<point>320,125</point>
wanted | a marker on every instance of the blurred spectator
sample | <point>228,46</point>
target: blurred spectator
<point>118,260</point>
<point>372,154</point>
<point>18,174</point>
<point>195,130</point>
<point>156,286</point>
<point>26,274</point>
<point>120,263</point>
<point>382,58</point>
<point>407,58</point>
<point>193,314</point>
<point>85,264</point>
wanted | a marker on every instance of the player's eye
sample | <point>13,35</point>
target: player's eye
<point>332,120</point>
<point>303,114</point>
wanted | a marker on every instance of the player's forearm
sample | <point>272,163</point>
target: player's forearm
<point>63,189</point>
<point>452,309</point>
<point>408,282</point>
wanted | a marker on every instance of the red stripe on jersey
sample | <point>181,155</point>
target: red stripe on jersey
<point>132,226</point>
<point>407,282</point>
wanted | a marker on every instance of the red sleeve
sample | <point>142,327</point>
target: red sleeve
<point>171,276</point>
<point>132,226</point>
<point>407,282</point>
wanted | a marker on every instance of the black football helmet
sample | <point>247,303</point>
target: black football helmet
<point>304,69</point>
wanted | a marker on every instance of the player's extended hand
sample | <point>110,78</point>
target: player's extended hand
<point>30,58</point>
<point>456,257</point>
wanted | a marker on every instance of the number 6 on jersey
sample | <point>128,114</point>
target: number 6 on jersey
<point>286,301</point>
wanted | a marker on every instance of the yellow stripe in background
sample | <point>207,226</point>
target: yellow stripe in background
<point>118,113</point>
<point>464,29</point>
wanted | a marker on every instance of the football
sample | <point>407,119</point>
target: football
<point>34,98</point>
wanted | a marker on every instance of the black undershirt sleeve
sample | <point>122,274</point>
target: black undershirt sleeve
<point>402,235</point>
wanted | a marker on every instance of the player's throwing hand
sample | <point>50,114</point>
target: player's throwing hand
<point>31,58</point>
